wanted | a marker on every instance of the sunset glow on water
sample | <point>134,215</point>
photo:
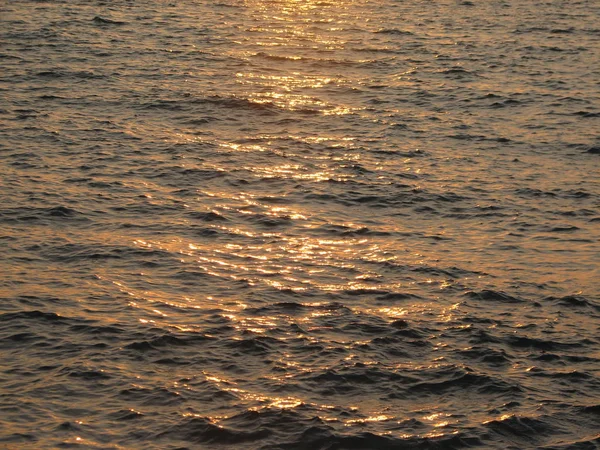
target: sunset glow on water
<point>300,224</point>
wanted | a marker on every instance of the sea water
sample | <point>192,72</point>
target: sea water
<point>300,224</point>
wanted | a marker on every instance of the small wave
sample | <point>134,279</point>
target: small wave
<point>97,330</point>
<point>86,374</point>
<point>156,396</point>
<point>397,296</point>
<point>254,346</point>
<point>33,315</point>
<point>592,443</point>
<point>562,30</point>
<point>279,57</point>
<point>455,379</point>
<point>353,377</point>
<point>202,430</point>
<point>574,375</point>
<point>486,355</point>
<point>592,409</point>
<point>94,252</point>
<point>103,21</point>
<point>234,102</point>
<point>269,221</point>
<point>28,214</point>
<point>394,31</point>
<point>576,301</point>
<point>540,344</point>
<point>167,341</point>
<point>495,296</point>
<point>586,114</point>
<point>365,328</point>
<point>458,73</point>
<point>523,429</point>
<point>56,73</point>
<point>126,414</point>
<point>327,439</point>
<point>507,103</point>
<point>210,216</point>
<point>299,308</point>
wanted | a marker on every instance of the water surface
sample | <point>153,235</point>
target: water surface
<point>300,224</point>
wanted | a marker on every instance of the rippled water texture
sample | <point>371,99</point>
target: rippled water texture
<point>300,224</point>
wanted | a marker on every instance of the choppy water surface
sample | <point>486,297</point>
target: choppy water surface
<point>304,224</point>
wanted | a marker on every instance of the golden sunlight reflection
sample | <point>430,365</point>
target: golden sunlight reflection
<point>295,263</point>
<point>272,259</point>
<point>286,82</point>
<point>287,37</point>
<point>263,223</point>
<point>300,103</point>
<point>258,402</point>
<point>379,418</point>
<point>340,147</point>
<point>265,401</point>
<point>295,171</point>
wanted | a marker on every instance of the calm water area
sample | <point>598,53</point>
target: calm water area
<point>300,224</point>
